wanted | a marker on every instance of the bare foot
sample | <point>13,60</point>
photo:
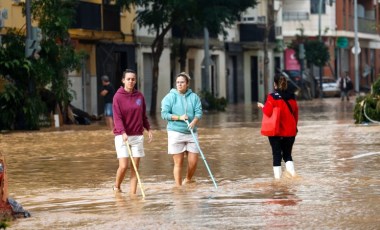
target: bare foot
<point>116,190</point>
<point>187,181</point>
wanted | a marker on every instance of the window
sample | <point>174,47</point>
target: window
<point>314,5</point>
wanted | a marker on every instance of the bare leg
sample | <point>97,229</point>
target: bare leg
<point>177,171</point>
<point>120,174</point>
<point>133,181</point>
<point>109,122</point>
<point>192,160</point>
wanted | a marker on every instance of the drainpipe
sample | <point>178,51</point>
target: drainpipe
<point>320,39</point>
<point>205,80</point>
<point>28,16</point>
<point>84,73</point>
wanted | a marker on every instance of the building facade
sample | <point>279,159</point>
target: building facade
<point>337,30</point>
<point>240,68</point>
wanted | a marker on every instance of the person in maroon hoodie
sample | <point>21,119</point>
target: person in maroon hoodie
<point>130,119</point>
<point>282,143</point>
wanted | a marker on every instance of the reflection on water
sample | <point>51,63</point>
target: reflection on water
<point>64,177</point>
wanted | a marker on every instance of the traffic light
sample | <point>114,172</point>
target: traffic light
<point>33,45</point>
<point>301,51</point>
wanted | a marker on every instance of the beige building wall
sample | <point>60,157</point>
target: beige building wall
<point>15,17</point>
<point>83,83</point>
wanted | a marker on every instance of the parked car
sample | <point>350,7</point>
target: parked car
<point>330,87</point>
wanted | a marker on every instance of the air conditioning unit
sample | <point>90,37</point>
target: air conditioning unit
<point>261,19</point>
<point>253,20</point>
<point>277,5</point>
<point>248,19</point>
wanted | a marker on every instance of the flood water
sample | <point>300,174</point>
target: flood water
<point>64,177</point>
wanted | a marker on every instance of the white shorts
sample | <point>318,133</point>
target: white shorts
<point>136,144</point>
<point>180,142</point>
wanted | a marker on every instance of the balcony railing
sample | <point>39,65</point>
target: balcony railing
<point>365,25</point>
<point>295,16</point>
<point>254,33</point>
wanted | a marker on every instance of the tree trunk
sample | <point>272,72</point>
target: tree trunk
<point>182,55</point>
<point>153,105</point>
<point>157,48</point>
<point>269,24</point>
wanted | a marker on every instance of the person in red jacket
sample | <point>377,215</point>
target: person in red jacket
<point>282,143</point>
<point>130,119</point>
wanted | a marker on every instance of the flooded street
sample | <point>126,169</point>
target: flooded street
<point>64,177</point>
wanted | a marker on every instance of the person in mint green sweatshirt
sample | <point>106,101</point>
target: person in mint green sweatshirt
<point>178,105</point>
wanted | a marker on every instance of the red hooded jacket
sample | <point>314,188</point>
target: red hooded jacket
<point>288,121</point>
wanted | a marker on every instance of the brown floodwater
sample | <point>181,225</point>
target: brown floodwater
<point>64,176</point>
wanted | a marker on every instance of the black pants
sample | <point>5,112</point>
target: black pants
<point>281,149</point>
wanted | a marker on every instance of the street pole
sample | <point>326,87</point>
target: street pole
<point>320,39</point>
<point>28,36</point>
<point>206,63</point>
<point>356,46</point>
<point>28,16</point>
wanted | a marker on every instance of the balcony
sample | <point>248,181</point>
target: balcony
<point>109,22</point>
<point>196,34</point>
<point>254,33</point>
<point>365,25</point>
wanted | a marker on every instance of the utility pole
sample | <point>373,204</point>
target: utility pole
<point>267,81</point>
<point>356,46</point>
<point>206,63</point>
<point>28,16</point>
<point>320,39</point>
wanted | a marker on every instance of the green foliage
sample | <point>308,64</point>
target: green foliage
<point>161,16</point>
<point>376,87</point>
<point>10,101</point>
<point>16,95</point>
<point>316,52</point>
<point>21,103</point>
<point>370,103</point>
<point>58,54</point>
<point>210,102</point>
<point>4,224</point>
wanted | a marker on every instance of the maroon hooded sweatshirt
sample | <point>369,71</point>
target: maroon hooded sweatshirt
<point>129,113</point>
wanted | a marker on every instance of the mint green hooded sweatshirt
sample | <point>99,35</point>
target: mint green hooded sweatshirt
<point>176,104</point>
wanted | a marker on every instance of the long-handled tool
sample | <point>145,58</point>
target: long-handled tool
<point>134,166</point>
<point>202,155</point>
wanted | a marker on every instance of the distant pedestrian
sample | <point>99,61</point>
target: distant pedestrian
<point>345,85</point>
<point>129,113</point>
<point>178,105</point>
<point>282,143</point>
<point>108,91</point>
